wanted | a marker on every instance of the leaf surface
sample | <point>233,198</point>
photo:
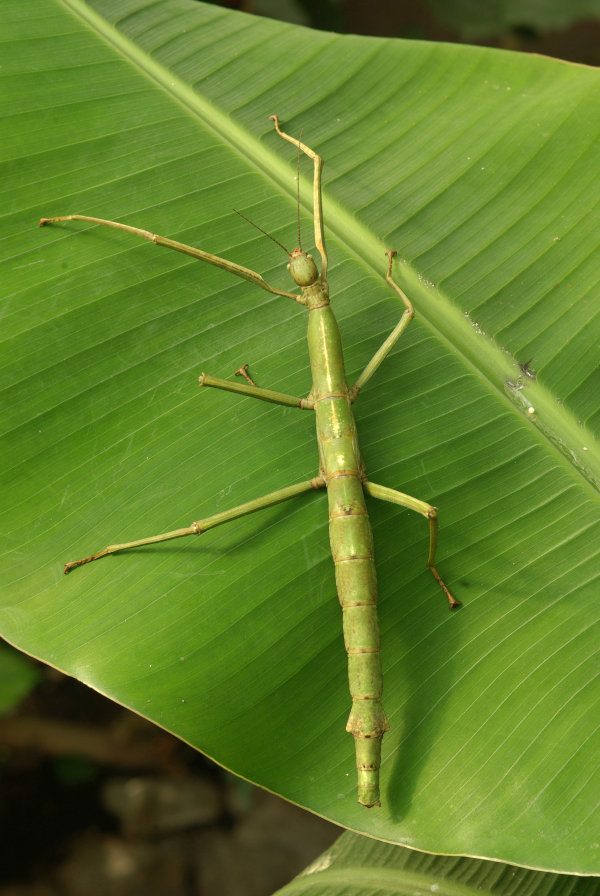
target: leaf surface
<point>480,167</point>
<point>363,867</point>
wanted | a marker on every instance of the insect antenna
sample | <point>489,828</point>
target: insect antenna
<point>281,246</point>
<point>298,191</point>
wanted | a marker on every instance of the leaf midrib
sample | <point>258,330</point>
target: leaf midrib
<point>477,351</point>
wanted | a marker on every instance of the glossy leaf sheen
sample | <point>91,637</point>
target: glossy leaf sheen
<point>359,866</point>
<point>480,167</point>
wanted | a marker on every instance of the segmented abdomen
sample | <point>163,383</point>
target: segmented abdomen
<point>351,546</point>
<point>352,549</point>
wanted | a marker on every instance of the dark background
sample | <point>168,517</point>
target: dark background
<point>565,29</point>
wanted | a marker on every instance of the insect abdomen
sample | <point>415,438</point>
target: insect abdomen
<point>351,546</point>
<point>352,549</point>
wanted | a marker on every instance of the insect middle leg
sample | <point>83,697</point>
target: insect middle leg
<point>392,339</point>
<point>291,401</point>
<point>429,512</point>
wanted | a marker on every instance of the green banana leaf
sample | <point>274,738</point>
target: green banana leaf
<point>480,168</point>
<point>358,865</point>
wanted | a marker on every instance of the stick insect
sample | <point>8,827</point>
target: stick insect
<point>341,471</point>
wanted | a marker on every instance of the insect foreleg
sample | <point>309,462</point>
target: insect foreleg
<point>429,512</point>
<point>392,339</point>
<point>317,196</point>
<point>237,269</point>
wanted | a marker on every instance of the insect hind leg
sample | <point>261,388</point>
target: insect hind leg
<point>429,512</point>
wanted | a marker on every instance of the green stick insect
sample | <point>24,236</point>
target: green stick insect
<point>341,471</point>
